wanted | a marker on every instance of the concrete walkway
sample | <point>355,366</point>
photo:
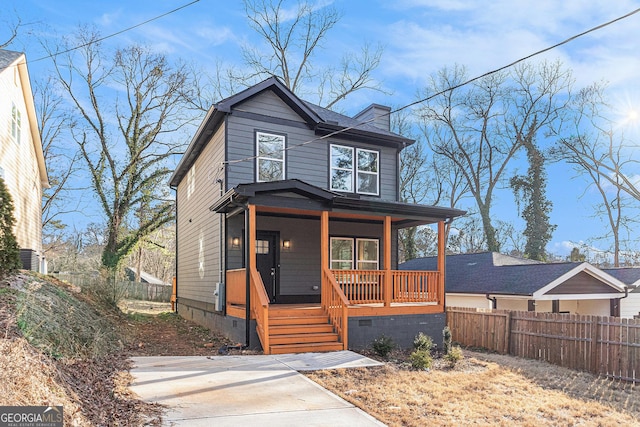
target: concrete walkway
<point>247,390</point>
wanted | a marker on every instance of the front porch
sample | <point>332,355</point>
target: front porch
<point>344,294</point>
<point>290,242</point>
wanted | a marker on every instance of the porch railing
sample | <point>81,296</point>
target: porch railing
<point>361,286</point>
<point>336,305</point>
<point>416,286</point>
<point>386,287</point>
<point>260,309</point>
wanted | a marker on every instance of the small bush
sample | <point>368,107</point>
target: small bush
<point>454,356</point>
<point>383,346</point>
<point>421,360</point>
<point>446,340</point>
<point>423,342</point>
<point>9,250</point>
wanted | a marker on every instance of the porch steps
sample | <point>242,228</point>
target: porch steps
<point>301,330</point>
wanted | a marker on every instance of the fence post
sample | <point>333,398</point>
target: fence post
<point>595,347</point>
<point>507,333</point>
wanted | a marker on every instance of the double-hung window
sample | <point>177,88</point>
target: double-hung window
<point>15,123</point>
<point>270,158</point>
<point>348,254</point>
<point>354,170</point>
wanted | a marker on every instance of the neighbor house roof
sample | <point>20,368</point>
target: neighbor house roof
<point>145,277</point>
<point>8,59</point>
<point>319,119</point>
<point>628,275</point>
<point>497,274</point>
<point>298,194</point>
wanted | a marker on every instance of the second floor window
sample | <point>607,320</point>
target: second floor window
<point>354,168</point>
<point>15,123</point>
<point>270,157</point>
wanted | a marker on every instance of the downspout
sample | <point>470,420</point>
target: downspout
<point>222,257</point>
<point>177,254</point>
<point>247,224</point>
<point>494,301</point>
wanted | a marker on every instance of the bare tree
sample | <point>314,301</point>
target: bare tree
<point>291,39</point>
<point>481,126</point>
<point>128,109</point>
<point>599,151</point>
<point>61,162</point>
<point>12,27</point>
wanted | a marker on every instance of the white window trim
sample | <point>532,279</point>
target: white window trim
<point>354,252</point>
<point>332,168</point>
<point>377,261</point>
<point>258,157</point>
<point>358,171</point>
<point>354,170</point>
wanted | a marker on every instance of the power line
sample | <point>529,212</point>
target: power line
<point>116,33</point>
<point>450,88</point>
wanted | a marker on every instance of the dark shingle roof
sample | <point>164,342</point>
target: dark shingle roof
<point>7,57</point>
<point>493,273</point>
<point>627,275</point>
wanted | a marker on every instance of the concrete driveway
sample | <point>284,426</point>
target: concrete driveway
<point>247,390</point>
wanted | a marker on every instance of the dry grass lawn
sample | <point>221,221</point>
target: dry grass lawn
<point>485,389</point>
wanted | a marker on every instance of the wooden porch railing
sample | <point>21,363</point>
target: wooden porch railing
<point>236,286</point>
<point>380,286</point>
<point>416,286</point>
<point>260,309</point>
<point>336,305</point>
<point>361,286</point>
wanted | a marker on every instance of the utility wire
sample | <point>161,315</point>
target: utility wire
<point>449,89</point>
<point>116,33</point>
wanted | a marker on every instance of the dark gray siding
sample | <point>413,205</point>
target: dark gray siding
<point>309,162</point>
<point>300,264</point>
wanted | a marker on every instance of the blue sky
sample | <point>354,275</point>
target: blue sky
<point>419,36</point>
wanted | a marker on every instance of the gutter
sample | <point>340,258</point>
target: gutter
<point>494,301</point>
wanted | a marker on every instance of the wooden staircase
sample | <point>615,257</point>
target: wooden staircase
<point>301,329</point>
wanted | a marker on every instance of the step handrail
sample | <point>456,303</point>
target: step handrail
<point>336,305</point>
<point>260,309</point>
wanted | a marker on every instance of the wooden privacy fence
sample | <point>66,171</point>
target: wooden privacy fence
<point>608,346</point>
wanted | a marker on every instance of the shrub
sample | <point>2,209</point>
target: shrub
<point>383,346</point>
<point>421,359</point>
<point>454,355</point>
<point>9,250</point>
<point>446,340</point>
<point>423,342</point>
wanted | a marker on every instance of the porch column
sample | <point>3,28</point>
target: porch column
<point>324,240</point>
<point>250,262</point>
<point>324,254</point>
<point>387,262</point>
<point>441,263</point>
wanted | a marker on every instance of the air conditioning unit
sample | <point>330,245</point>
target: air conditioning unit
<point>218,296</point>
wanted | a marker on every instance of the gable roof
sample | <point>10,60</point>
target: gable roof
<point>8,59</point>
<point>497,274</point>
<point>321,120</point>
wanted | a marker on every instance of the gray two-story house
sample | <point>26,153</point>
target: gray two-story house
<point>287,225</point>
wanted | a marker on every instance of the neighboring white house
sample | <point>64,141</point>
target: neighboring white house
<point>630,276</point>
<point>493,280</point>
<point>22,163</point>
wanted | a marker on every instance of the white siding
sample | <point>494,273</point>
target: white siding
<point>472,301</point>
<point>19,163</point>
<point>630,306</point>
